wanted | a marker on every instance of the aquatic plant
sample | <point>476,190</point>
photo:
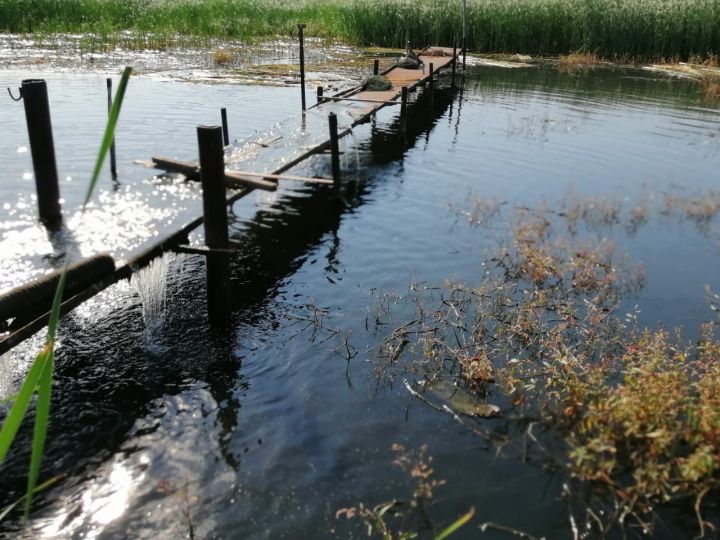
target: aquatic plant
<point>40,375</point>
<point>222,57</point>
<point>631,416</point>
<point>401,520</point>
<point>633,28</point>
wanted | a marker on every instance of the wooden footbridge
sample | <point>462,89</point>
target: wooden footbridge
<point>264,161</point>
<point>228,174</point>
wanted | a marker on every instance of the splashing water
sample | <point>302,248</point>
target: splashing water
<point>355,148</point>
<point>150,283</point>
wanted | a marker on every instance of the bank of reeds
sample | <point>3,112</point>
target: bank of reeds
<point>640,29</point>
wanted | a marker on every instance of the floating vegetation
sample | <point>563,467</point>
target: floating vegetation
<point>583,212</point>
<point>223,57</point>
<point>405,519</point>
<point>630,416</point>
<point>579,61</point>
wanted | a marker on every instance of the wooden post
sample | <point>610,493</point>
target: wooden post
<point>212,175</point>
<point>301,27</point>
<point>403,110</point>
<point>464,21</point>
<point>226,136</point>
<point>319,94</point>
<point>37,114</point>
<point>376,67</point>
<point>452,76</point>
<point>334,148</point>
<point>113,160</point>
<point>432,71</point>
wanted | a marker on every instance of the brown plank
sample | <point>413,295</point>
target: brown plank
<point>192,172</point>
<point>308,179</point>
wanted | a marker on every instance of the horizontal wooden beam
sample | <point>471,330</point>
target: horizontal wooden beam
<point>202,250</point>
<point>252,179</point>
<point>192,172</point>
<point>380,101</point>
<point>307,179</point>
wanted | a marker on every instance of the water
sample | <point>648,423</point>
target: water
<point>267,429</point>
<point>158,118</point>
<point>150,283</point>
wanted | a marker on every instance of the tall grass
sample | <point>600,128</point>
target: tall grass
<point>611,28</point>
<point>39,377</point>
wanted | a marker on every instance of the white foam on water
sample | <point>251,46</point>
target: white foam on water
<point>150,283</point>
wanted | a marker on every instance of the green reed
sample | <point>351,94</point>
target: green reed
<point>611,28</point>
<point>39,377</point>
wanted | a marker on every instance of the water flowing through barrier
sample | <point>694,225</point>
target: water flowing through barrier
<point>150,283</point>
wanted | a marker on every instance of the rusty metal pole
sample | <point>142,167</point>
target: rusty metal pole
<point>301,27</point>
<point>334,148</point>
<point>376,67</point>
<point>37,114</point>
<point>113,159</point>
<point>212,176</point>
<point>226,135</point>
<point>319,94</point>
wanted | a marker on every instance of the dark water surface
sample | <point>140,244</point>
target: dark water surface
<point>167,429</point>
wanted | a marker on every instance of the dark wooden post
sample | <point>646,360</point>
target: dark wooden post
<point>226,136</point>
<point>334,148</point>
<point>212,175</point>
<point>454,62</point>
<point>37,114</point>
<point>432,72</point>
<point>113,160</point>
<point>301,27</point>
<point>319,94</point>
<point>376,67</point>
<point>464,39</point>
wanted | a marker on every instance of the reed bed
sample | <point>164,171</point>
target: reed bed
<point>640,29</point>
<point>611,28</point>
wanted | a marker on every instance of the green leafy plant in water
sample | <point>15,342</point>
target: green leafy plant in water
<point>391,520</point>
<point>39,377</point>
<point>631,417</point>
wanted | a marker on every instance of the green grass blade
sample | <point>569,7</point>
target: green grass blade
<point>17,411</point>
<point>454,526</point>
<point>109,133</point>
<point>46,484</point>
<point>55,310</point>
<point>42,418</point>
<point>41,372</point>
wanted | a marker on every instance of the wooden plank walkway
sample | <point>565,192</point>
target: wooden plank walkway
<point>297,138</point>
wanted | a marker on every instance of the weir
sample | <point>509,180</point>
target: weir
<point>259,164</point>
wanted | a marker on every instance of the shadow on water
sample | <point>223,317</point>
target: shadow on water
<point>279,238</point>
<point>106,374</point>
